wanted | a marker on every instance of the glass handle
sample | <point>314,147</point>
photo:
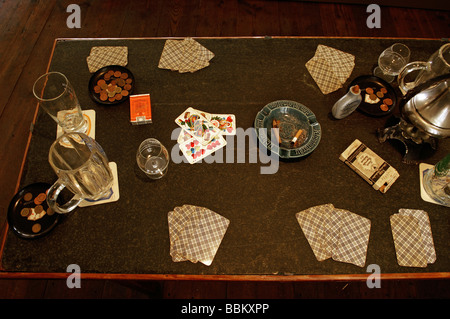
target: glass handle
<point>410,67</point>
<point>52,197</point>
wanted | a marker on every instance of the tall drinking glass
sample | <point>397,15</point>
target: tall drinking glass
<point>57,97</point>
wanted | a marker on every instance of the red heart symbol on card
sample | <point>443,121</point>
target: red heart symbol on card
<point>229,129</point>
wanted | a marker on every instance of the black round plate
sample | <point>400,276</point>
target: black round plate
<point>100,75</point>
<point>23,227</point>
<point>376,83</point>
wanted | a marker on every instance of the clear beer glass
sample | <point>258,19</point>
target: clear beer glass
<point>82,167</point>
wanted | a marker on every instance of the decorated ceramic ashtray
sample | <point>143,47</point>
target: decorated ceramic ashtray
<point>288,128</point>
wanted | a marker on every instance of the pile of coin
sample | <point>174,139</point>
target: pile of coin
<point>384,106</point>
<point>113,86</point>
<point>34,209</point>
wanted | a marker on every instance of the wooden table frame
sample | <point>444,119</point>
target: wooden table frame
<point>270,278</point>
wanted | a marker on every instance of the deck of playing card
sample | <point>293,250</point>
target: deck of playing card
<point>335,233</point>
<point>330,68</point>
<point>202,133</point>
<point>371,167</point>
<point>413,240</point>
<point>195,233</point>
<point>185,55</point>
<point>102,56</point>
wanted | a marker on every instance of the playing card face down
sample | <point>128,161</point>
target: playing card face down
<point>312,222</point>
<point>335,233</point>
<point>341,63</point>
<point>172,55</point>
<point>413,240</point>
<point>351,247</point>
<point>102,56</point>
<point>195,233</point>
<point>330,68</point>
<point>184,56</point>
<point>326,81</point>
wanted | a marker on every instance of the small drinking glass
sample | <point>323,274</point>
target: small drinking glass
<point>401,49</point>
<point>152,158</point>
<point>391,61</point>
<point>57,97</point>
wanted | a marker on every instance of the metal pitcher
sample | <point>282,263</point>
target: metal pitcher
<point>427,107</point>
<point>425,119</point>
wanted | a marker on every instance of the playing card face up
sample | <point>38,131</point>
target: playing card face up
<point>194,151</point>
<point>413,240</point>
<point>199,141</point>
<point>195,233</point>
<point>225,122</point>
<point>194,123</point>
<point>335,233</point>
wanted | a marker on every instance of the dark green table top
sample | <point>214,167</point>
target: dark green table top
<point>130,236</point>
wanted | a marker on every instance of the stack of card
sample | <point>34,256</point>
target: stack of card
<point>330,68</point>
<point>202,133</point>
<point>102,56</point>
<point>335,233</point>
<point>371,167</point>
<point>413,239</point>
<point>184,56</point>
<point>195,233</point>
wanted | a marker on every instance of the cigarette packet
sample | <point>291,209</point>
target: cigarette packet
<point>371,167</point>
<point>140,109</point>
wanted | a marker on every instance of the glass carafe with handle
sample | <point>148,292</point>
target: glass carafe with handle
<point>438,64</point>
<point>82,167</point>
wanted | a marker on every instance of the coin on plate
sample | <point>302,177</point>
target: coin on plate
<point>40,198</point>
<point>36,228</point>
<point>25,212</point>
<point>38,209</point>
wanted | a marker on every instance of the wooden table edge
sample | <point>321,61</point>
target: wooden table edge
<point>255,277</point>
<point>249,37</point>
